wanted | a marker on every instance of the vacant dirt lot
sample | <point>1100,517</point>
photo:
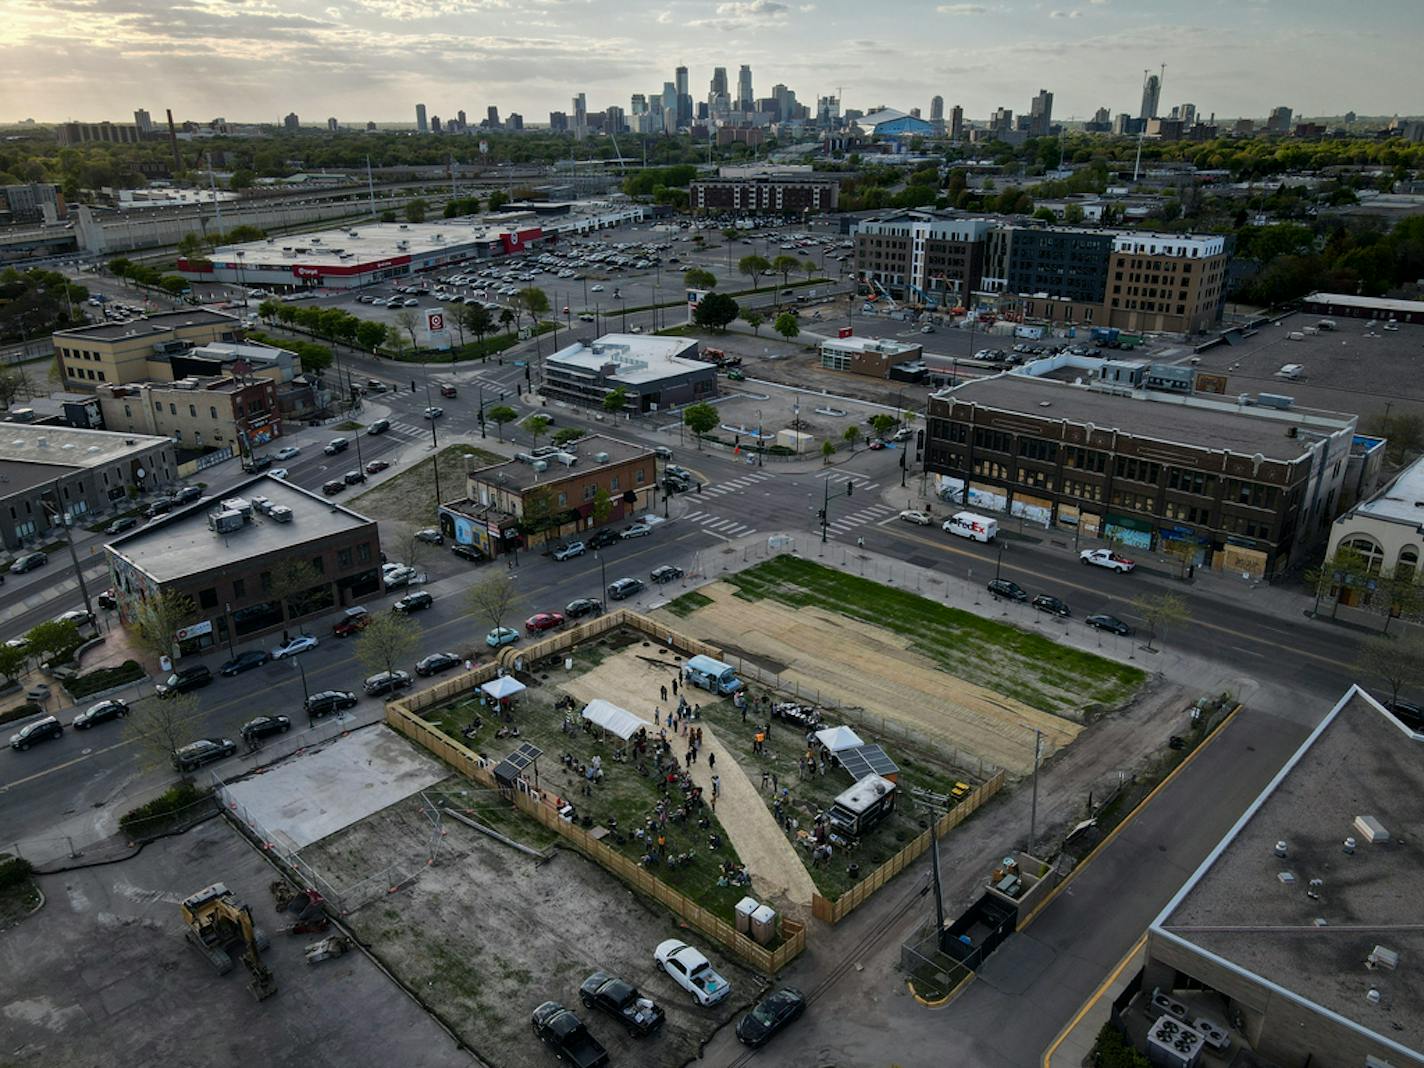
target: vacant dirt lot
<point>409,497</point>
<point>866,667</point>
<point>488,932</point>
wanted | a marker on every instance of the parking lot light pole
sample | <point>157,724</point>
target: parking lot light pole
<point>761,445</point>
<point>306,693</point>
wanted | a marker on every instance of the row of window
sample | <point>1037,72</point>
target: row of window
<point>90,374</point>
<point>361,554</point>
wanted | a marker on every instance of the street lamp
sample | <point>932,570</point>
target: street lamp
<point>306,692</point>
<point>227,625</point>
<point>434,440</point>
<point>761,446</point>
<point>999,560</point>
<point>602,583</point>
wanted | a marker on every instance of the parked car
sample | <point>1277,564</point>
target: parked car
<point>380,426</point>
<point>162,506</point>
<point>296,646</point>
<point>468,552</point>
<point>80,617</point>
<point>666,573</point>
<point>118,526</point>
<point>542,621</point>
<point>435,663</point>
<point>569,551</point>
<point>923,519</point>
<point>353,478</point>
<point>287,452</point>
<point>188,494</point>
<point>278,472</point>
<point>1002,587</point>
<point>387,682</point>
<point>565,1034</point>
<point>375,467</point>
<point>1107,558</point>
<point>184,680</point>
<point>621,589</point>
<point>112,708</point>
<point>352,620</point>
<point>336,445</point>
<point>770,1015</point>
<point>582,606</point>
<point>689,969</point>
<point>501,636</point>
<point>640,1015</point>
<point>332,487</point>
<point>257,463</point>
<point>245,661</point>
<point>601,539</point>
<point>1103,621</point>
<point>265,727</point>
<point>430,536</point>
<point>204,751</point>
<point>413,602</point>
<point>398,576</point>
<point>28,562</point>
<point>38,731</point>
<point>1053,605</point>
<point>637,530</point>
<point>328,701</point>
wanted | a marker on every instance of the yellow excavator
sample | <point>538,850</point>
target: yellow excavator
<point>218,920</point>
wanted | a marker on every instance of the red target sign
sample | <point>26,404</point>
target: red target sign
<point>435,321</point>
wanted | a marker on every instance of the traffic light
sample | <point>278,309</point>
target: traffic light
<point>821,517</point>
<point>850,488</point>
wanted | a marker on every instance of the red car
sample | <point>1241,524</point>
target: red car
<point>541,621</point>
<point>877,445</point>
<point>447,391</point>
<point>376,466</point>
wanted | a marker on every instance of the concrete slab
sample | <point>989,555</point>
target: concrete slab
<point>321,791</point>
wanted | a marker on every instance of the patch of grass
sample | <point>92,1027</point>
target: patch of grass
<point>688,603</point>
<point>175,803</point>
<point>409,497</point>
<point>104,679</point>
<point>19,896</point>
<point>1003,658</point>
<point>349,424</point>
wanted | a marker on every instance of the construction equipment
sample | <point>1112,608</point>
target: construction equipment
<point>327,948</point>
<point>217,919</point>
<point>306,906</point>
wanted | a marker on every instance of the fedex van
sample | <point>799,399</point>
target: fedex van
<point>969,525</point>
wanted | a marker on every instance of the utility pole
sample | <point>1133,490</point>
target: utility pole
<point>65,521</point>
<point>1033,809</point>
<point>370,187</point>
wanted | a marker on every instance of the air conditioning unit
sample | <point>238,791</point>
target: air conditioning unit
<point>1172,1044</point>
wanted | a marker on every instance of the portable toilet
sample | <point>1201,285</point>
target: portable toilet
<point>764,925</point>
<point>744,910</point>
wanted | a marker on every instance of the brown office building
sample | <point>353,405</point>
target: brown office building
<point>1169,283</point>
<point>923,257</point>
<point>555,494</point>
<point>118,353</point>
<point>235,563</point>
<point>1225,486</point>
<point>765,193</point>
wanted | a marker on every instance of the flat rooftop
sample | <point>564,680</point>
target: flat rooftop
<point>68,446</point>
<point>888,346</point>
<point>181,543</point>
<point>1151,415</point>
<point>517,475</point>
<point>155,325</point>
<point>640,358</point>
<point>1359,762</point>
<point>1378,304</point>
<point>1345,370</point>
<point>1402,500</point>
<point>373,241</point>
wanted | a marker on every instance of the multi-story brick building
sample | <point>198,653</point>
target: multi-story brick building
<point>776,194</point>
<point>215,412</point>
<point>1231,487</point>
<point>922,256</point>
<point>1173,283</point>
<point>118,353</point>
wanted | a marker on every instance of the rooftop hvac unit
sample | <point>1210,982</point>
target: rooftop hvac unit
<point>241,505</point>
<point>540,466</point>
<point>600,457</point>
<point>225,522</point>
<point>1371,829</point>
<point>1172,1044</point>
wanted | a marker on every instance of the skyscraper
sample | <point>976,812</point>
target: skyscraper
<point>1280,121</point>
<point>1188,114</point>
<point>638,104</point>
<point>421,126</point>
<point>746,99</point>
<point>435,124</point>
<point>936,109</point>
<point>144,122</point>
<point>956,123</point>
<point>516,121</point>
<point>492,117</point>
<point>1041,114</point>
<point>684,99</point>
<point>558,122</point>
<point>291,122</point>
<point>580,103</point>
<point>332,125</point>
<point>1151,91</point>
<point>669,101</point>
<point>460,115</point>
<point>613,122</point>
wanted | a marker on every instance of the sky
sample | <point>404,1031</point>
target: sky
<point>359,60</point>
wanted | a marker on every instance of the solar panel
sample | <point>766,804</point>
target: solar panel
<point>525,755</point>
<point>866,760</point>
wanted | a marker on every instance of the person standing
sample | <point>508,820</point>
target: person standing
<point>664,693</point>
<point>716,783</point>
<point>711,761</point>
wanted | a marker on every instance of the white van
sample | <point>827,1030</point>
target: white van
<point>969,525</point>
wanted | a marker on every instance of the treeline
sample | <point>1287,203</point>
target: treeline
<point>142,275</point>
<point>1298,259</point>
<point>36,302</point>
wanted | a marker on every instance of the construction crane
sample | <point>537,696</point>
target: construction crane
<point>217,920</point>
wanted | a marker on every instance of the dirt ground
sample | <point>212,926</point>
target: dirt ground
<point>488,932</point>
<point>861,666</point>
<point>412,492</point>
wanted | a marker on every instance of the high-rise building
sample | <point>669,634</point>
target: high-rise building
<point>613,122</point>
<point>1040,118</point>
<point>746,99</point>
<point>828,111</point>
<point>956,123</point>
<point>1188,114</point>
<point>1151,92</point>
<point>914,113</point>
<point>638,104</point>
<point>580,117</point>
<point>435,124</point>
<point>332,125</point>
<point>144,121</point>
<point>558,122</point>
<point>492,117</point>
<point>936,109</point>
<point>1002,121</point>
<point>1103,116</point>
<point>291,122</point>
<point>370,125</point>
<point>669,102</point>
<point>1280,121</point>
<point>421,126</point>
<point>515,121</point>
<point>460,115</point>
<point>684,99</point>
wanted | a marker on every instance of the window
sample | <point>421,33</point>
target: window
<point>1087,491</point>
<point>1187,513</point>
<point>172,408</point>
<point>318,564</point>
<point>1135,502</point>
<point>613,484</point>
<point>343,558</point>
<point>212,411</point>
<point>128,412</point>
<point>1252,494</point>
<point>363,553</point>
<point>993,440</point>
<point>563,500</point>
<point>1030,476</point>
<point>1407,564</point>
<point>1038,449</point>
<point>266,582</point>
<point>1085,459</point>
<point>192,411</point>
<point>589,492</point>
<point>1138,470</point>
<point>239,588</point>
<point>1187,481</point>
<point>991,469</point>
<point>208,598</point>
<point>641,476</point>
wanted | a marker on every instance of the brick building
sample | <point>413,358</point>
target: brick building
<point>873,357</point>
<point>922,256</point>
<point>118,353</point>
<point>779,195</point>
<point>198,413</point>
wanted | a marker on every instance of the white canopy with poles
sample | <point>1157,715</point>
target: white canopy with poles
<point>617,720</point>
<point>838,738</point>
<point>505,686</point>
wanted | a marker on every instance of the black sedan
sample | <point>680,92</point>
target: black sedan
<point>245,661</point>
<point>113,708</point>
<point>666,573</point>
<point>1002,587</point>
<point>621,1000</point>
<point>1103,621</point>
<point>770,1015</point>
<point>435,663</point>
<point>601,539</point>
<point>468,552</point>
<point>203,751</point>
<point>265,726</point>
<point>583,606</point>
<point>413,602</point>
<point>328,701</point>
<point>118,526</point>
<point>1044,603</point>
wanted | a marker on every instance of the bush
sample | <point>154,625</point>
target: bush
<point>14,871</point>
<point>1113,1051</point>
<point>172,802</point>
<point>29,708</point>
<point>104,679</point>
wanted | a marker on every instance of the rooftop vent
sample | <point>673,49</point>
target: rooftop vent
<point>1281,849</point>
<point>1382,958</point>
<point>1371,829</point>
<point>1350,846</point>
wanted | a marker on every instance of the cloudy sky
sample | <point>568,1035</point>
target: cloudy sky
<point>255,60</point>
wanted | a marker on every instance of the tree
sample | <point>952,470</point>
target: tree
<point>491,598</point>
<point>602,505</point>
<point>388,640</point>
<point>477,319</point>
<point>506,319</point>
<point>851,436</point>
<point>1158,611</point>
<point>699,418</point>
<point>784,265</point>
<point>415,210</point>
<point>1346,568</point>
<point>408,320</point>
<point>697,278</point>
<point>498,200</point>
<point>48,639</point>
<point>754,267</point>
<point>533,300</point>
<point>371,335</point>
<point>11,385</point>
<point>754,319</point>
<point>787,325</point>
<point>536,425</point>
<point>161,728</point>
<point>268,310</point>
<point>882,423</point>
<point>810,267</point>
<point>567,435</point>
<point>501,414</point>
<point>614,400</point>
<point>1397,662</point>
<point>12,662</point>
<point>158,619</point>
<point>828,449</point>
<point>715,311</point>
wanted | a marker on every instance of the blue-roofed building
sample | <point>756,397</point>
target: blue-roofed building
<point>887,122</point>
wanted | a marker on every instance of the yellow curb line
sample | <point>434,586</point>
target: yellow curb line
<point>1140,806</point>
<point>1087,1006</point>
<point>941,1002</point>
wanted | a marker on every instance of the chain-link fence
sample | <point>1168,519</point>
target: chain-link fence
<point>932,973</point>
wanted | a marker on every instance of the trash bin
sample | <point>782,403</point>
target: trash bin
<point>764,925</point>
<point>744,910</point>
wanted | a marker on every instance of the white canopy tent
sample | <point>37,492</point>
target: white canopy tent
<point>838,738</point>
<point>612,718</point>
<point>503,687</point>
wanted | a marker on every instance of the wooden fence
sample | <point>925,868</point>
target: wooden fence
<point>833,912</point>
